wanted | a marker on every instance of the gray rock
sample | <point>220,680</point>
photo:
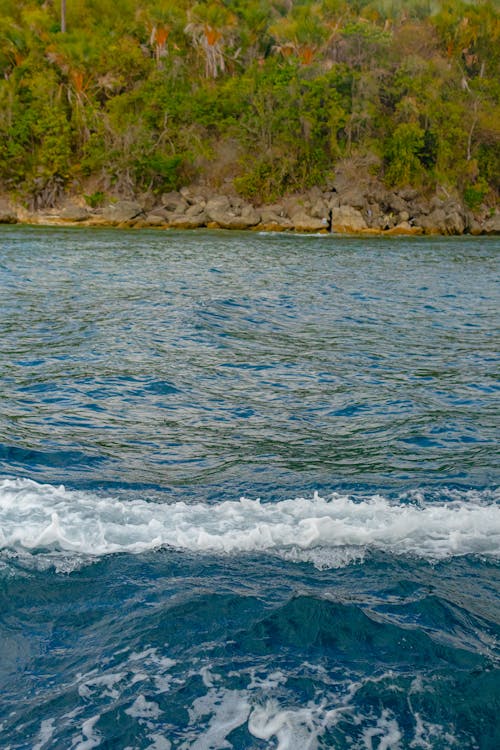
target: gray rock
<point>171,200</point>
<point>353,198</point>
<point>271,214</point>
<point>347,219</point>
<point>304,222</point>
<point>71,212</point>
<point>195,210</point>
<point>122,212</point>
<point>160,211</point>
<point>182,221</point>
<point>319,209</point>
<point>154,220</point>
<point>408,193</point>
<point>454,223</point>
<point>492,225</point>
<point>226,215</point>
<point>395,203</point>
<point>434,223</point>
<point>218,209</point>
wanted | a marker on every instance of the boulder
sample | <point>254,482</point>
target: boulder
<point>195,210</point>
<point>347,219</point>
<point>222,213</point>
<point>122,212</point>
<point>183,221</point>
<point>153,220</point>
<point>354,197</point>
<point>173,202</point>
<point>395,203</point>
<point>454,223</point>
<point>492,225</point>
<point>218,208</point>
<point>440,221</point>
<point>71,212</point>
<point>408,193</point>
<point>433,223</point>
<point>272,213</point>
<point>304,222</point>
<point>160,211</point>
<point>319,209</point>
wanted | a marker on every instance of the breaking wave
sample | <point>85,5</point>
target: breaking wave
<point>325,531</point>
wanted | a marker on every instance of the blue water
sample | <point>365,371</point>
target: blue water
<point>248,491</point>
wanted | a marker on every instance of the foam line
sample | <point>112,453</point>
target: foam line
<point>38,517</point>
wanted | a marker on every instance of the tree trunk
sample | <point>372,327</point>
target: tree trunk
<point>63,16</point>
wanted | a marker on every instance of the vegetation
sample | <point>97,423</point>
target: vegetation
<point>101,96</point>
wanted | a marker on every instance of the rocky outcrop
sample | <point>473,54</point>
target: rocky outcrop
<point>364,207</point>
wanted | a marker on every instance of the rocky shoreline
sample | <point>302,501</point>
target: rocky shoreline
<point>347,208</point>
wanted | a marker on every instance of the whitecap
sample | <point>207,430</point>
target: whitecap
<point>328,532</point>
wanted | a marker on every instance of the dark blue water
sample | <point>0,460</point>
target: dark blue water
<point>248,491</point>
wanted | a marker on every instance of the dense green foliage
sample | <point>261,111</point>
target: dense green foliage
<point>148,95</point>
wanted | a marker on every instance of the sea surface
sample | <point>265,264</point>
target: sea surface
<point>248,491</point>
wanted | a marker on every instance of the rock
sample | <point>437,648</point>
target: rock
<point>454,223</point>
<point>195,210</point>
<point>395,203</point>
<point>280,225</point>
<point>193,195</point>
<point>404,228</point>
<point>373,216</point>
<point>408,193</point>
<point>347,219</point>
<point>160,211</point>
<point>440,221</point>
<point>218,208</point>
<point>153,220</point>
<point>71,212</point>
<point>122,212</point>
<point>332,200</point>
<point>492,225</point>
<point>353,198</point>
<point>319,209</point>
<point>220,212</point>
<point>272,214</point>
<point>419,208</point>
<point>7,213</point>
<point>303,222</point>
<point>173,201</point>
<point>183,221</point>
<point>475,227</point>
<point>434,223</point>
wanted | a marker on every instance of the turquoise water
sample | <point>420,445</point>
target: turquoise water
<point>248,491</point>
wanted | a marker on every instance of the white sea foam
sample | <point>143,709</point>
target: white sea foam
<point>329,532</point>
<point>258,703</point>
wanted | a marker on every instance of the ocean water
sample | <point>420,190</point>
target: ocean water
<point>248,491</point>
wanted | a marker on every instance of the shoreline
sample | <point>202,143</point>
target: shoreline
<point>358,211</point>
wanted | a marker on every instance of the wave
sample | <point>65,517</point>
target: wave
<point>328,532</point>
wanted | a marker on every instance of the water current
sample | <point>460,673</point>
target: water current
<point>248,491</point>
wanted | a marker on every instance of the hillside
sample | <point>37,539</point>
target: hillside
<point>260,97</point>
